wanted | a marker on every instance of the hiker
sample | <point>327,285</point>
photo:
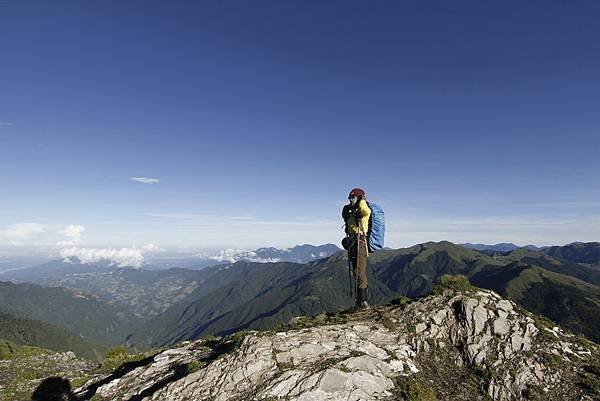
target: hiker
<point>356,217</point>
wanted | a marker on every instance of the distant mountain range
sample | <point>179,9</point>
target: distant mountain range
<point>298,254</point>
<point>57,268</point>
<point>257,296</point>
<point>501,247</point>
<point>147,293</point>
<point>153,308</point>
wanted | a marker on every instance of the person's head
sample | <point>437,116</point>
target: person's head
<point>356,195</point>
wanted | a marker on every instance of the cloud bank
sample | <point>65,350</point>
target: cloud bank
<point>235,255</point>
<point>124,257</point>
<point>121,257</point>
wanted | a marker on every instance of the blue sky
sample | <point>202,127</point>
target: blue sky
<point>468,121</point>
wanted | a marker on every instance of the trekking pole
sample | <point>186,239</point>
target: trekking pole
<point>349,274</point>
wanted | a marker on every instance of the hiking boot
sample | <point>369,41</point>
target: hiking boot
<point>361,300</point>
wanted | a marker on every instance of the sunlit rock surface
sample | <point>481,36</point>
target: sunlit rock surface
<point>466,345</point>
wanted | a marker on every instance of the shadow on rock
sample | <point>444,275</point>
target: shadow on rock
<point>117,374</point>
<point>54,389</point>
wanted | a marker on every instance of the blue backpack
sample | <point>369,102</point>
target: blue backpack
<point>376,233</point>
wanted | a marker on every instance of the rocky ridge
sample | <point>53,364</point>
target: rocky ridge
<point>452,345</point>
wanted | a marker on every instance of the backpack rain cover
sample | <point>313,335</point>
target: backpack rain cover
<point>376,227</point>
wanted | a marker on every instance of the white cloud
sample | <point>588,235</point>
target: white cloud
<point>5,124</point>
<point>182,216</point>
<point>151,248</point>
<point>21,231</point>
<point>74,233</point>
<point>234,255</point>
<point>124,257</point>
<point>146,180</point>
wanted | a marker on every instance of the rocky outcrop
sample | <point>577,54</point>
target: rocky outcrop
<point>20,376</point>
<point>469,344</point>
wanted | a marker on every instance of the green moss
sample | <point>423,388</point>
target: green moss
<point>194,366</point>
<point>354,353</point>
<point>533,392</point>
<point>415,390</point>
<point>401,301</point>
<point>344,368</point>
<point>26,375</point>
<point>117,352</point>
<point>485,373</point>
<point>76,383</point>
<point>387,322</point>
<point>551,360</point>
<point>391,353</point>
<point>589,379</point>
<point>237,338</point>
<point>584,342</point>
<point>283,366</point>
<point>453,282</point>
<point>118,356</point>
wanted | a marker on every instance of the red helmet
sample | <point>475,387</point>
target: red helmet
<point>359,193</point>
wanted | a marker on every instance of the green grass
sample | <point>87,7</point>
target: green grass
<point>590,379</point>
<point>415,390</point>
<point>36,333</point>
<point>11,350</point>
<point>194,366</point>
<point>119,355</point>
<point>456,282</point>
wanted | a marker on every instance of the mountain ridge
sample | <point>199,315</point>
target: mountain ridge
<point>237,297</point>
<point>78,312</point>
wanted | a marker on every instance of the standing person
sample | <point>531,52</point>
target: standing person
<point>356,216</point>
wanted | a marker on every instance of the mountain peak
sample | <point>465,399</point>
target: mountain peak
<point>455,344</point>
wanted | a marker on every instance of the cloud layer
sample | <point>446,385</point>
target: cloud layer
<point>21,231</point>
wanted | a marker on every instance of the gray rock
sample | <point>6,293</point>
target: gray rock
<point>362,359</point>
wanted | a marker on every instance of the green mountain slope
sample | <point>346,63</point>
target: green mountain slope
<point>146,293</point>
<point>582,271</point>
<point>414,271</point>
<point>28,333</point>
<point>579,252</point>
<point>259,296</point>
<point>255,296</point>
<point>78,312</point>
